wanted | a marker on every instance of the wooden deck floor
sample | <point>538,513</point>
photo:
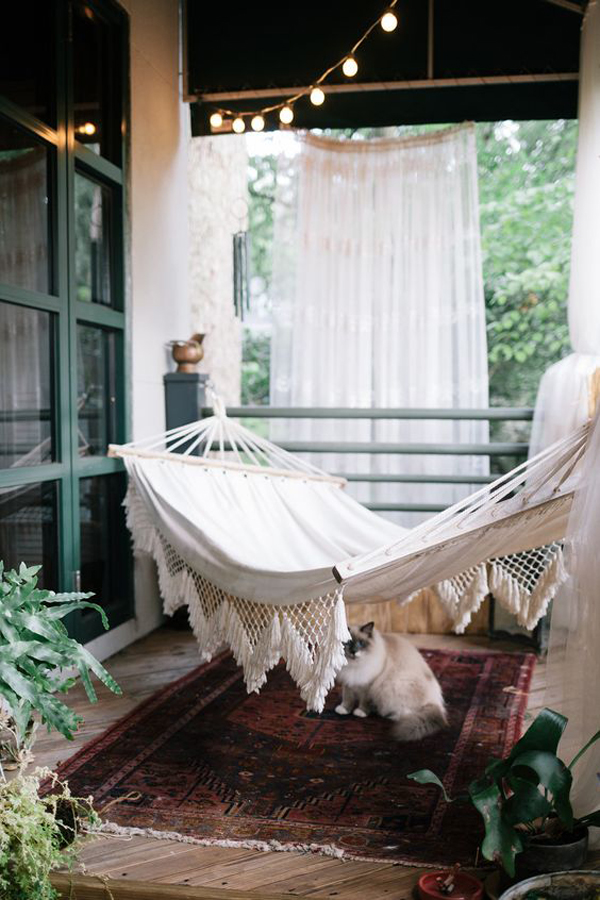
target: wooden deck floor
<point>157,660</point>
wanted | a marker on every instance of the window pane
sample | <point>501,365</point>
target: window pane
<point>96,389</point>
<point>27,41</point>
<point>24,210</point>
<point>26,386</point>
<point>93,256</point>
<point>105,546</point>
<point>29,530</point>
<point>97,82</point>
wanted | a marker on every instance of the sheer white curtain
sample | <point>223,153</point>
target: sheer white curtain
<point>378,299</point>
<point>573,670</point>
<point>562,402</point>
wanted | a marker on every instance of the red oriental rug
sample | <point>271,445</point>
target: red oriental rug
<point>213,764</point>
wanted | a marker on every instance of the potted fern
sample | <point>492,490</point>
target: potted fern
<point>524,801</point>
<point>36,653</point>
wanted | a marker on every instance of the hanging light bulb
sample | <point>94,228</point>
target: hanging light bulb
<point>350,67</point>
<point>257,123</point>
<point>216,120</point>
<point>238,125</point>
<point>389,20</point>
<point>317,96</point>
<point>286,115</point>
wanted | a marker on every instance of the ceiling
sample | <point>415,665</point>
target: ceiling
<point>240,48</point>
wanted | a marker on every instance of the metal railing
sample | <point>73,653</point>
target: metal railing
<point>515,450</point>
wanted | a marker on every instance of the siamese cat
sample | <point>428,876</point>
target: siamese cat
<point>384,673</point>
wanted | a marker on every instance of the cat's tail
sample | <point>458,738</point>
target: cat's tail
<point>418,725</point>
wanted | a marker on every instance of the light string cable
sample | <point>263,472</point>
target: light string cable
<point>216,118</point>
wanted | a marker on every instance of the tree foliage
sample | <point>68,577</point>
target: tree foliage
<point>526,180</point>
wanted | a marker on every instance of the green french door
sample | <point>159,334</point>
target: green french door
<point>63,139</point>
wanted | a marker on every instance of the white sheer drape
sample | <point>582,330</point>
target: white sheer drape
<point>378,300</point>
<point>562,401</point>
<point>573,670</point>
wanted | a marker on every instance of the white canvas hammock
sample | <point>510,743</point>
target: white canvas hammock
<point>264,548</point>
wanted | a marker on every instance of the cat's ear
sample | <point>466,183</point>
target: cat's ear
<point>368,628</point>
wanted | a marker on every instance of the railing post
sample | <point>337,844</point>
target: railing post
<point>185,397</point>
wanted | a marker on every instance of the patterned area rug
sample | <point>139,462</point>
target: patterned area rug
<point>211,763</point>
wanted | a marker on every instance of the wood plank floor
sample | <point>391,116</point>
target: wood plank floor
<point>157,660</point>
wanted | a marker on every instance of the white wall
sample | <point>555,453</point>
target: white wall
<point>218,192</point>
<point>158,260</point>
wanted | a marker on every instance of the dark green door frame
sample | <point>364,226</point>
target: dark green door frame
<point>70,159</point>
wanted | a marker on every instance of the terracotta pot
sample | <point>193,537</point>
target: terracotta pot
<point>187,354</point>
<point>466,887</point>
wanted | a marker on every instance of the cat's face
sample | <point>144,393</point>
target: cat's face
<point>360,641</point>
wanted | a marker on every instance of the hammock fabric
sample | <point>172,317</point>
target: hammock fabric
<point>265,549</point>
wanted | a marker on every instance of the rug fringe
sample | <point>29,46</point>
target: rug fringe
<point>260,846</point>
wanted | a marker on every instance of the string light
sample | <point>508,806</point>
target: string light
<point>388,21</point>
<point>317,97</point>
<point>286,115</point>
<point>350,67</point>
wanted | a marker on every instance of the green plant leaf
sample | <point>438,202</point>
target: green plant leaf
<point>585,747</point>
<point>66,608</point>
<point>544,734</point>
<point>591,819</point>
<point>552,774</point>
<point>502,842</point>
<point>81,656</point>
<point>525,804</point>
<point>426,776</point>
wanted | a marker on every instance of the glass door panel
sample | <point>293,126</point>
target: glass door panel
<point>97,81</point>
<point>27,409</point>
<point>28,58</point>
<point>105,547</point>
<point>25,209</point>
<point>29,529</point>
<point>97,389</point>
<point>94,241</point>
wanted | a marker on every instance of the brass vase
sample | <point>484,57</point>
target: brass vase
<point>187,354</point>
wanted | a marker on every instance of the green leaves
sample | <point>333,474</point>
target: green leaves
<point>35,649</point>
<point>501,842</point>
<point>544,733</point>
<point>516,795</point>
<point>585,747</point>
<point>426,776</point>
<point>552,774</point>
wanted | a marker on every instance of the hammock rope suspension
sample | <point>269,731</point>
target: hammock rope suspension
<point>266,550</point>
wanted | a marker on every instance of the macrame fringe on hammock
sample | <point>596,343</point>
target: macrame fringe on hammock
<point>308,636</point>
<point>524,583</point>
